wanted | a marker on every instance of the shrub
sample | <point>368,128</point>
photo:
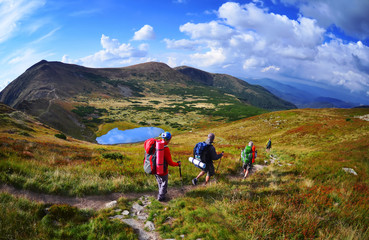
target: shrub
<point>61,136</point>
<point>62,212</point>
<point>113,155</point>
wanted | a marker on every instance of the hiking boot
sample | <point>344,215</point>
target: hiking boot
<point>162,199</point>
<point>194,181</point>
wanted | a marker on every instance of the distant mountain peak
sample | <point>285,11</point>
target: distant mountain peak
<point>149,66</point>
<point>197,75</point>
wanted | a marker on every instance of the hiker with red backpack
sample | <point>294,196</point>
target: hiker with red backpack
<point>157,159</point>
<point>207,156</point>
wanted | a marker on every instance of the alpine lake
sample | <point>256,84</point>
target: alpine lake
<point>116,136</point>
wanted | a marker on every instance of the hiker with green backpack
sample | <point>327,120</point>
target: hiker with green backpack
<point>269,145</point>
<point>248,156</point>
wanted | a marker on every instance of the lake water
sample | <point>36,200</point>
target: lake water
<point>116,136</point>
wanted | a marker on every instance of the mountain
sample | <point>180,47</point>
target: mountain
<point>77,100</point>
<point>305,96</point>
<point>252,94</point>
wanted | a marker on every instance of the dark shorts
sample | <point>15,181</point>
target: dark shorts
<point>247,166</point>
<point>210,171</point>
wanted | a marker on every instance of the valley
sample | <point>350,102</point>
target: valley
<point>305,193</point>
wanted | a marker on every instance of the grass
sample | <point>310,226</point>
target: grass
<point>305,194</point>
<point>30,220</point>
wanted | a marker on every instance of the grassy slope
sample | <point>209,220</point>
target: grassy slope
<point>185,110</point>
<point>309,196</point>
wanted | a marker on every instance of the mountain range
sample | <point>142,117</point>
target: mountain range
<point>73,98</point>
<point>308,96</point>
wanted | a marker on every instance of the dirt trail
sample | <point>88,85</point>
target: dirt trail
<point>99,201</point>
<point>87,202</point>
<point>103,201</point>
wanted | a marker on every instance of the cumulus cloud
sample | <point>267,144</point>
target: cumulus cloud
<point>273,27</point>
<point>270,68</point>
<point>351,16</point>
<point>113,54</point>
<point>13,12</point>
<point>211,30</point>
<point>145,33</point>
<point>251,41</point>
<point>182,44</point>
<point>212,57</point>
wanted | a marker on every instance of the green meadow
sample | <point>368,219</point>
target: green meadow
<point>304,194</point>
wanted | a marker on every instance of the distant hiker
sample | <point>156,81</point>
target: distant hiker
<point>269,145</point>
<point>162,179</point>
<point>209,154</point>
<point>248,156</point>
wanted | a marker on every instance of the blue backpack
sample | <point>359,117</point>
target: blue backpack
<point>200,151</point>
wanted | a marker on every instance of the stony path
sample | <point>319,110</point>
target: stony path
<point>88,202</point>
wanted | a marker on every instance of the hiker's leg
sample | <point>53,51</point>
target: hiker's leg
<point>202,173</point>
<point>210,173</point>
<point>194,181</point>
<point>163,185</point>
<point>207,179</point>
<point>247,170</point>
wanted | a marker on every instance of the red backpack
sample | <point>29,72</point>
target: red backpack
<point>149,164</point>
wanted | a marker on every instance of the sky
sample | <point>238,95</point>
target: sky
<point>316,42</point>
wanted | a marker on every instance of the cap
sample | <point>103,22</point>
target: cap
<point>211,137</point>
<point>166,136</point>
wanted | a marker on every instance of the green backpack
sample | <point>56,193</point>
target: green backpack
<point>246,155</point>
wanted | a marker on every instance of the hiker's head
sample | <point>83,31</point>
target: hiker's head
<point>211,137</point>
<point>251,144</point>
<point>166,136</point>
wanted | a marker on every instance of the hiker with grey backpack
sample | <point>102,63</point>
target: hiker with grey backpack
<point>206,153</point>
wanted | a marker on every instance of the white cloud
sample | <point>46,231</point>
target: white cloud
<point>172,62</point>
<point>182,44</point>
<point>212,57</point>
<point>13,12</point>
<point>250,63</point>
<point>270,68</point>
<point>211,30</point>
<point>273,27</point>
<point>145,33</point>
<point>113,54</point>
<point>351,16</point>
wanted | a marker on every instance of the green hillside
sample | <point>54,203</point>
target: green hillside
<point>305,194</point>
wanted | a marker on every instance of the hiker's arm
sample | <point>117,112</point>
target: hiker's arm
<point>214,155</point>
<point>168,157</point>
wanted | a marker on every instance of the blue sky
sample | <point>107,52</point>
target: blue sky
<point>318,42</point>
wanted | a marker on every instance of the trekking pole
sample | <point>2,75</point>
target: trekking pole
<point>219,163</point>
<point>180,175</point>
<point>216,171</point>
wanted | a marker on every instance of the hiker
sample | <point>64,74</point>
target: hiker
<point>248,156</point>
<point>162,179</point>
<point>210,155</point>
<point>269,145</point>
